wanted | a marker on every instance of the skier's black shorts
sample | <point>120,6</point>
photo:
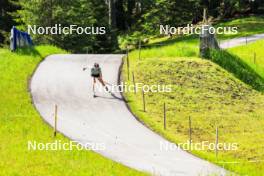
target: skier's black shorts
<point>96,76</point>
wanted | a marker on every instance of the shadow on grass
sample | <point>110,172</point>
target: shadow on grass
<point>28,51</point>
<point>238,68</point>
<point>164,43</point>
<point>172,41</point>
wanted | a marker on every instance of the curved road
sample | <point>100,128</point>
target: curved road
<point>240,41</point>
<point>105,120</point>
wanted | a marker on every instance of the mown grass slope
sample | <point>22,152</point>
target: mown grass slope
<point>252,54</point>
<point>239,68</point>
<point>227,95</point>
<point>211,97</point>
<point>20,123</point>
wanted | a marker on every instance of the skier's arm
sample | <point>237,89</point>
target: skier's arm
<point>101,75</point>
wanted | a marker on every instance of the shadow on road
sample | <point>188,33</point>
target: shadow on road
<point>113,97</point>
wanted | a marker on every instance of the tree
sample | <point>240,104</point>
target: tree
<point>136,17</point>
<point>112,22</point>
<point>7,7</point>
<point>169,12</point>
<point>71,12</point>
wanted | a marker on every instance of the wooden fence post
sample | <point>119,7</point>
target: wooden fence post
<point>133,77</point>
<point>216,142</point>
<point>190,130</point>
<point>164,116</point>
<point>127,63</point>
<point>55,120</point>
<point>246,40</point>
<point>139,50</point>
<point>144,102</point>
<point>255,58</point>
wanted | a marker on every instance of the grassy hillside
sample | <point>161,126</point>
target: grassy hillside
<point>183,46</point>
<point>239,68</point>
<point>227,95</point>
<point>210,96</point>
<point>20,122</point>
<point>246,26</point>
<point>252,54</point>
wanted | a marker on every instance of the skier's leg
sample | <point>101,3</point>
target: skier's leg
<point>102,82</point>
<point>94,81</point>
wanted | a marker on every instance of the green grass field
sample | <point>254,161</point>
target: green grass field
<point>202,90</point>
<point>246,26</point>
<point>228,96</point>
<point>252,54</point>
<point>20,122</point>
<point>210,96</point>
<point>238,67</point>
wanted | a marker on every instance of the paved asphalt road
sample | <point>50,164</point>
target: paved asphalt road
<point>240,41</point>
<point>105,121</point>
